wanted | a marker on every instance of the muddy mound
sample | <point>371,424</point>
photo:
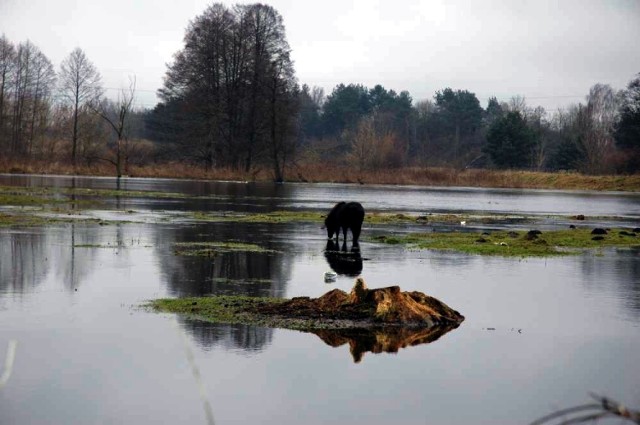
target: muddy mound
<point>362,306</point>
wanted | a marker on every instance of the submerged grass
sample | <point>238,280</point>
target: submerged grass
<point>272,217</point>
<point>209,249</point>
<point>516,243</point>
<point>25,220</point>
<point>13,195</point>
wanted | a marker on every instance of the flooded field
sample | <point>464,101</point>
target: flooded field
<point>540,333</point>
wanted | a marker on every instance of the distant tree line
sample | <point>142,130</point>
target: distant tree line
<point>230,99</point>
<point>64,115</point>
<point>379,128</point>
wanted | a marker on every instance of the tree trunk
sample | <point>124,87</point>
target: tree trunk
<point>74,136</point>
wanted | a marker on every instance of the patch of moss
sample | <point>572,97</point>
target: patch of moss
<point>232,309</point>
<point>514,243</point>
<point>219,309</point>
<point>210,249</point>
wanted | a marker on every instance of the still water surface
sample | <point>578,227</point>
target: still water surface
<point>69,295</point>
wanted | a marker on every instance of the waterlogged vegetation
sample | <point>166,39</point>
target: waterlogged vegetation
<point>48,206</point>
<point>210,249</point>
<point>229,309</point>
<point>271,217</point>
<point>518,243</point>
<point>12,195</point>
<point>31,218</point>
<point>373,218</point>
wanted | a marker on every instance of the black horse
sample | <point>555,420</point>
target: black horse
<point>345,215</point>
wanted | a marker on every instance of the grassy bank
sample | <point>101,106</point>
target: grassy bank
<point>314,172</point>
<point>518,243</point>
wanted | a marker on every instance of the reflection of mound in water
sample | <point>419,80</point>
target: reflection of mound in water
<point>381,340</point>
<point>343,262</point>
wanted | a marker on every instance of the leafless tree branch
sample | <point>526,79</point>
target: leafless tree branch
<point>604,407</point>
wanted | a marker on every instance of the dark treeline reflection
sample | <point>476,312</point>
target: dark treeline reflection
<point>622,271</point>
<point>232,272</point>
<point>209,196</point>
<point>28,256</point>
<point>627,270</point>
<point>236,336</point>
<point>201,195</point>
<point>22,261</point>
<point>242,272</point>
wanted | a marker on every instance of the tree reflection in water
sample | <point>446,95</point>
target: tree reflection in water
<point>238,272</point>
<point>233,336</point>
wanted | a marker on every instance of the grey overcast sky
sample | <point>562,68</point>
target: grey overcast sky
<point>549,51</point>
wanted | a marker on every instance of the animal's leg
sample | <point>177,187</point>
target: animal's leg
<point>356,233</point>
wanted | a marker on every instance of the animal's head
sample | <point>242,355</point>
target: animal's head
<point>331,227</point>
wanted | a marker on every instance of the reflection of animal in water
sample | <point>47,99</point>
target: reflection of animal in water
<point>345,215</point>
<point>343,262</point>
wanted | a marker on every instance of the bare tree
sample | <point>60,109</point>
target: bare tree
<point>7,61</point>
<point>538,123</point>
<point>22,82</point>
<point>44,78</point>
<point>116,114</point>
<point>518,104</point>
<point>80,83</point>
<point>375,146</point>
<point>596,123</point>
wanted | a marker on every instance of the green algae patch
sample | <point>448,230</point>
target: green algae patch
<point>210,249</point>
<point>516,243</point>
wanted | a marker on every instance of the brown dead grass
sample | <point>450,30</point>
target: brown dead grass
<point>315,172</point>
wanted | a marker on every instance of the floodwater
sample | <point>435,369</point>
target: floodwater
<point>539,334</point>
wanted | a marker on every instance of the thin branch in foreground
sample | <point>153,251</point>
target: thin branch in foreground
<point>605,407</point>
